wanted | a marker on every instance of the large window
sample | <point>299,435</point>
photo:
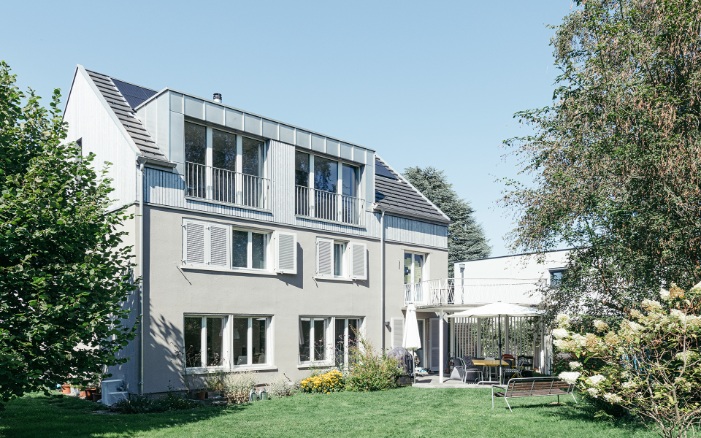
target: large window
<point>225,167</point>
<point>313,342</point>
<point>414,266</point>
<point>204,341</point>
<point>250,340</point>
<point>220,246</point>
<point>327,189</point>
<point>226,341</point>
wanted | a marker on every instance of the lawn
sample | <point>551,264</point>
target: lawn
<point>401,412</point>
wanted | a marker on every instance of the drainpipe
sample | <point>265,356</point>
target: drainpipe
<point>140,262</point>
<point>382,277</point>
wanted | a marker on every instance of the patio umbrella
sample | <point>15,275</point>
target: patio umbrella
<point>497,310</point>
<point>412,341</point>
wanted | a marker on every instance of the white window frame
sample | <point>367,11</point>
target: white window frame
<point>275,260</point>
<point>203,342</point>
<point>353,265</point>
<point>346,331</point>
<point>328,336</point>
<point>249,342</point>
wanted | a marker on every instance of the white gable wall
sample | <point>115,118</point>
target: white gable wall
<point>89,118</point>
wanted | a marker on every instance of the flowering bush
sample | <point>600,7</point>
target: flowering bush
<point>331,381</point>
<point>650,365</point>
<point>371,371</point>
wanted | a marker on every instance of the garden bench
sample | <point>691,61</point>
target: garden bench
<point>532,387</point>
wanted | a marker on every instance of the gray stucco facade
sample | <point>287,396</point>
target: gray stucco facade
<point>275,285</point>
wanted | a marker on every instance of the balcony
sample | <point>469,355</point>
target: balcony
<point>226,186</point>
<point>330,206</point>
<point>467,292</point>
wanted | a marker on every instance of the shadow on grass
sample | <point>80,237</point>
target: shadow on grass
<point>57,415</point>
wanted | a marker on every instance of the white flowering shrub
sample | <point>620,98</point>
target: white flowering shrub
<point>650,365</point>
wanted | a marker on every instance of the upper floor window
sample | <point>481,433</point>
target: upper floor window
<point>225,167</point>
<point>327,189</point>
<point>556,277</point>
<point>220,246</point>
<point>340,259</point>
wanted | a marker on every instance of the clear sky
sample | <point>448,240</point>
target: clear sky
<point>423,83</point>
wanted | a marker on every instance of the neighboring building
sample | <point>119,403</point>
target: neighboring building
<point>261,246</point>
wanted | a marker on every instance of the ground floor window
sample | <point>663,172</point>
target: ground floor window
<point>346,332</point>
<point>250,340</point>
<point>313,344</point>
<point>226,341</point>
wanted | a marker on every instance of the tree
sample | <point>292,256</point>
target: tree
<point>650,364</point>
<point>63,269</point>
<point>466,239</point>
<point>616,158</point>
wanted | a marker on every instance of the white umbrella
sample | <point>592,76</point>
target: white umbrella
<point>412,341</point>
<point>497,310</point>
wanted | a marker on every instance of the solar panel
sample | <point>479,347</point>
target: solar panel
<point>382,170</point>
<point>134,94</point>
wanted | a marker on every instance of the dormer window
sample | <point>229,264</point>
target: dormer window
<point>327,189</point>
<point>225,167</point>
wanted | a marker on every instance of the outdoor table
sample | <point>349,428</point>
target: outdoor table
<point>490,363</point>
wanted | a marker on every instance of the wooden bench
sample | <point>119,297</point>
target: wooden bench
<point>532,387</point>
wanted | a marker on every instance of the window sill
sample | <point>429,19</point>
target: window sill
<point>263,272</point>
<point>310,365</point>
<point>340,279</point>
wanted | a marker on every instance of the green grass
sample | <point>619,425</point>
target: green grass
<point>402,412</point>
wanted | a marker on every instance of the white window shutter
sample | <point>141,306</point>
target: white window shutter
<point>219,245</point>
<point>324,257</point>
<point>359,261</point>
<point>286,253</point>
<point>194,253</point>
<point>397,326</point>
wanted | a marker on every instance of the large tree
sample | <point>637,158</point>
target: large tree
<point>466,239</point>
<point>616,158</point>
<point>63,269</point>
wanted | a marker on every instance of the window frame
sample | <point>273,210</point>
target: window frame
<point>328,341</point>
<point>353,265</point>
<point>344,364</point>
<point>249,341</point>
<point>267,236</point>
<point>203,342</point>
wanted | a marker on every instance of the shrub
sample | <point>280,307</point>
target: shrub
<point>371,371</point>
<point>331,381</point>
<point>237,387</point>
<point>141,404</point>
<point>650,364</point>
<point>282,387</point>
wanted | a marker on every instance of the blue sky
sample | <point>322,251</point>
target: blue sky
<point>423,83</point>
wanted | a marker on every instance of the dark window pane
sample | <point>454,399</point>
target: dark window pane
<point>350,180</point>
<point>325,174</point>
<point>258,249</point>
<point>339,341</point>
<point>195,143</point>
<point>305,327</point>
<point>301,169</point>
<point>239,256</point>
<point>338,259</point>
<point>224,166</point>
<point>251,151</point>
<point>193,342</point>
<point>240,341</point>
<point>319,340</point>
<point>259,340</point>
<point>214,341</point>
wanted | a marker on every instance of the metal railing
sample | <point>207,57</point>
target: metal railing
<point>330,206</point>
<point>459,291</point>
<point>227,186</point>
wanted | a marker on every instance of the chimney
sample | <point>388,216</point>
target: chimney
<point>217,97</point>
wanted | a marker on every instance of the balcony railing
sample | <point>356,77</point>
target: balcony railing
<point>459,291</point>
<point>321,204</point>
<point>223,185</point>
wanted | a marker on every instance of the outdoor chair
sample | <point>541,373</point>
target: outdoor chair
<point>458,371</point>
<point>472,372</point>
<point>511,371</point>
<point>525,365</point>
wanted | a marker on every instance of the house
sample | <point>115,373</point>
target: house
<point>261,246</point>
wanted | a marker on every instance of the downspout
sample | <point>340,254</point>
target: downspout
<point>140,262</point>
<point>382,277</point>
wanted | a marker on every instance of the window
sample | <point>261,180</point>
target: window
<point>250,340</point>
<point>204,341</point>
<point>225,167</point>
<point>214,245</point>
<point>249,249</point>
<point>345,337</point>
<point>313,344</point>
<point>340,259</point>
<point>414,267</point>
<point>556,277</point>
<point>327,189</point>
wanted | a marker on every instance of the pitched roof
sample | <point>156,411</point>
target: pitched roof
<point>123,97</point>
<point>396,195</point>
